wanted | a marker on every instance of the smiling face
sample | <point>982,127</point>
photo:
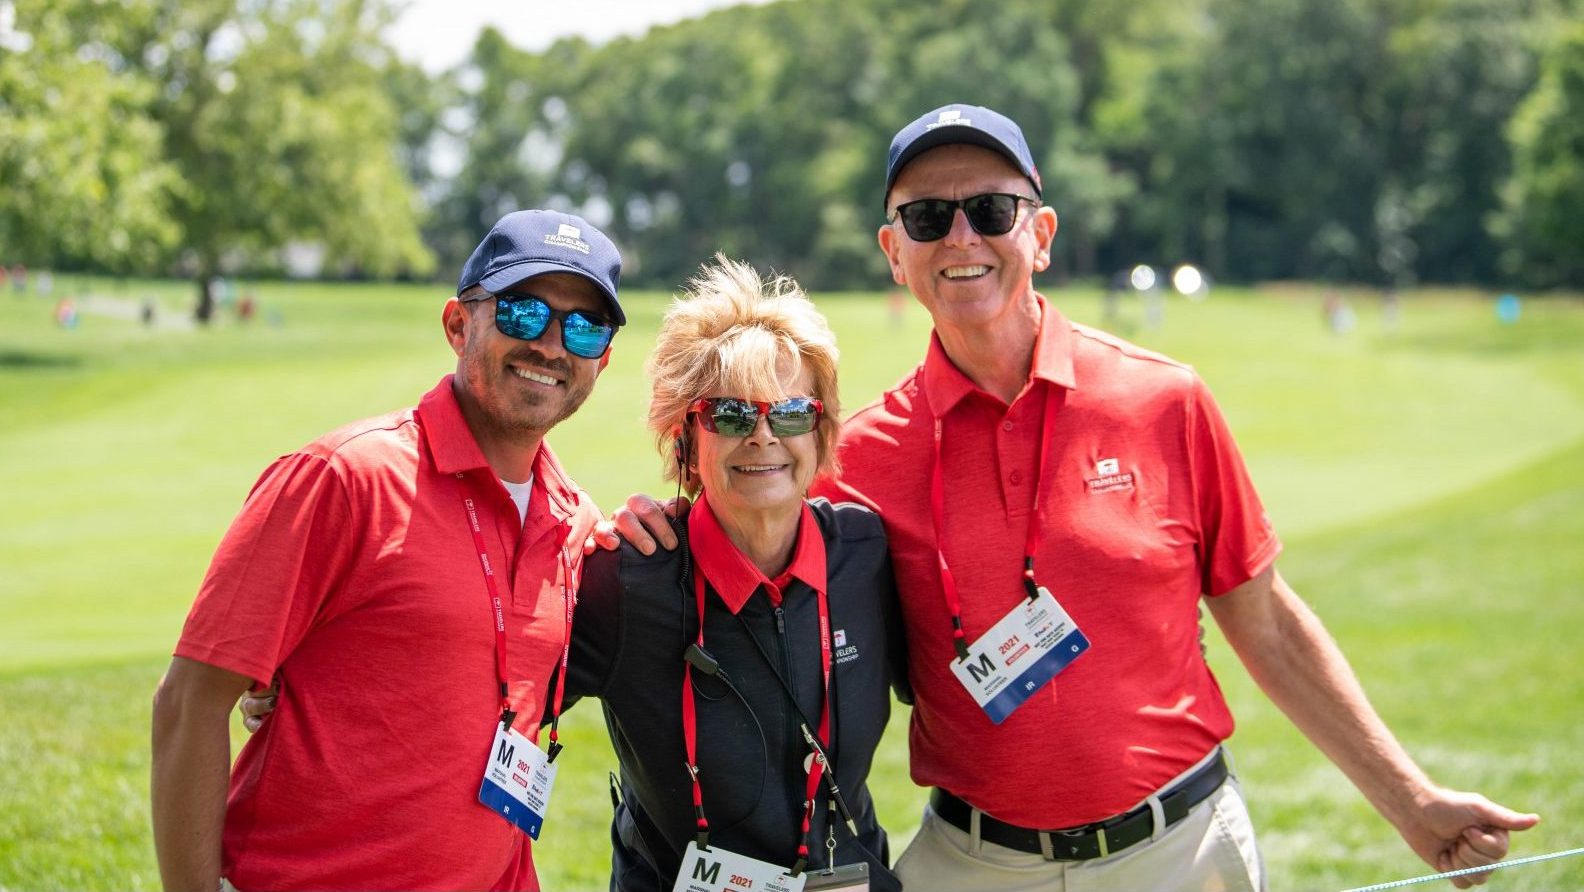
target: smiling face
<point>965,279</point>
<point>513,391</point>
<point>759,473</point>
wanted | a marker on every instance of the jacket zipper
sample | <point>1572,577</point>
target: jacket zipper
<point>792,722</point>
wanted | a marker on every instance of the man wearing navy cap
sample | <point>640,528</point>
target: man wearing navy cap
<point>424,551</point>
<point>1059,503</point>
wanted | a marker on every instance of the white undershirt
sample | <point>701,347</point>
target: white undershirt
<point>519,496</point>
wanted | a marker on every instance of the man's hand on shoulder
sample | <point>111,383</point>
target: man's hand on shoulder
<point>257,705</point>
<point>643,522</point>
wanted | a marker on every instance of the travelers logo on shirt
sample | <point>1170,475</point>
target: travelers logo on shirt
<point>1109,477</point>
<point>568,236</point>
<point>845,653</point>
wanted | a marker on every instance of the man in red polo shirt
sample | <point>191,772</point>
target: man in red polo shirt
<point>424,552</point>
<point>1032,461</point>
<point>1059,503</point>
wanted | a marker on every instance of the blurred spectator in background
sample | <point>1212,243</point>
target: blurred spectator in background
<point>66,313</point>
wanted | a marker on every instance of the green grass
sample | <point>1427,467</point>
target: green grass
<point>1426,481</point>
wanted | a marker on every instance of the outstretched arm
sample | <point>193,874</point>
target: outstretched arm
<point>191,770</point>
<point>1299,666</point>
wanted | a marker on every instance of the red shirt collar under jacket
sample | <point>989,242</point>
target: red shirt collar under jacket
<point>734,577</point>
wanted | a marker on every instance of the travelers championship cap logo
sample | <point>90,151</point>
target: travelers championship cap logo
<point>568,236</point>
<point>1107,467</point>
<point>948,118</point>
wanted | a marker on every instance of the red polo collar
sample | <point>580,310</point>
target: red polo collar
<point>454,449</point>
<point>734,577</point>
<point>946,385</point>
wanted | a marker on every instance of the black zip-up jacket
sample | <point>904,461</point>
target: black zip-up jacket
<point>634,621</point>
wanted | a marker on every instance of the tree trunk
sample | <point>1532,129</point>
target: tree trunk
<point>204,311</point>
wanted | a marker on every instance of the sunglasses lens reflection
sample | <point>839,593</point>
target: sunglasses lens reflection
<point>584,336</point>
<point>735,418</point>
<point>788,419</point>
<point>526,319</point>
<point>793,417</point>
<point>732,417</point>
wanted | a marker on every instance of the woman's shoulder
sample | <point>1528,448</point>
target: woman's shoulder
<point>847,521</point>
<point>626,564</point>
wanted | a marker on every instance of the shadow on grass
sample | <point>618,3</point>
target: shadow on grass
<point>24,361</point>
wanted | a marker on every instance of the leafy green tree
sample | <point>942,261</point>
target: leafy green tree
<point>757,131</point>
<point>1541,222</point>
<point>1094,172</point>
<point>493,120</point>
<point>80,156</point>
<point>219,131</point>
<point>277,119</point>
<point>1360,139</point>
<point>1456,69</point>
<point>1270,140</point>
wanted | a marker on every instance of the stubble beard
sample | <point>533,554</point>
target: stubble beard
<point>514,414</point>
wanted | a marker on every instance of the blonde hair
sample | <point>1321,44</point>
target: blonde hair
<point>733,332</point>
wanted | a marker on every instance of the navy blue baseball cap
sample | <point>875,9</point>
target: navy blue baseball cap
<point>524,244</point>
<point>973,124</point>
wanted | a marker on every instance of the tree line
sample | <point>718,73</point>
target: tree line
<point>1383,141</point>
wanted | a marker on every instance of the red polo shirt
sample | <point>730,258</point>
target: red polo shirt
<point>351,574</point>
<point>1144,505</point>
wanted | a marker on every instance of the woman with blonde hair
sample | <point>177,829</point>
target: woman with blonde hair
<point>744,676</point>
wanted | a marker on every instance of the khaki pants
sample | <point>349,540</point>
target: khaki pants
<point>1210,850</point>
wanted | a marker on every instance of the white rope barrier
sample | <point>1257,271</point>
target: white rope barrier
<point>1516,862</point>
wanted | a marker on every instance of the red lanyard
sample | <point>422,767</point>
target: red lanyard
<point>690,725</point>
<point>569,598</point>
<point>567,595</point>
<point>938,516</point>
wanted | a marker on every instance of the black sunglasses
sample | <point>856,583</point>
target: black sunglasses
<point>929,219</point>
<point>526,316</point>
<point>733,417</point>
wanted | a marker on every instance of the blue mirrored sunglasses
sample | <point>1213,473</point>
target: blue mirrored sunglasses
<point>526,316</point>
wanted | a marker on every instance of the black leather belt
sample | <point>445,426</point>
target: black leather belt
<point>1095,840</point>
